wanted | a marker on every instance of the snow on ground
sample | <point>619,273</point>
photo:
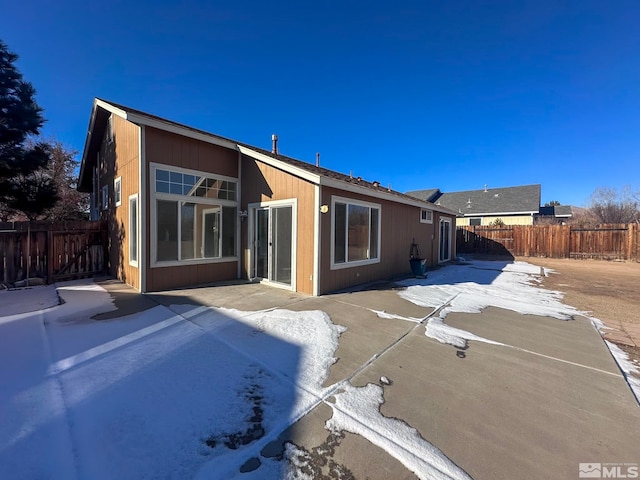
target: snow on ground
<point>630,370</point>
<point>473,286</point>
<point>196,392</point>
<point>28,299</point>
<point>357,410</point>
<point>477,285</point>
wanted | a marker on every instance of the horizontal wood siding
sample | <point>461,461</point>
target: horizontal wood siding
<point>556,241</point>
<point>506,219</point>
<point>264,183</point>
<point>175,150</point>
<point>400,225</point>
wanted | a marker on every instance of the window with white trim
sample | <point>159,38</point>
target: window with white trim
<point>426,215</point>
<point>195,215</point>
<point>133,229</point>
<point>355,232</point>
<point>117,191</point>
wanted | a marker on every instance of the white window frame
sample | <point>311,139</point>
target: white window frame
<point>104,197</point>
<point>134,230</point>
<point>117,191</point>
<point>429,215</point>
<point>359,203</point>
<point>155,196</point>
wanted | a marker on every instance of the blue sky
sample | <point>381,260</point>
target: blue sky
<point>447,94</point>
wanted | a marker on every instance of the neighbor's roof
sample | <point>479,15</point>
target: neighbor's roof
<point>102,109</point>
<point>558,211</point>
<point>427,195</point>
<point>523,200</point>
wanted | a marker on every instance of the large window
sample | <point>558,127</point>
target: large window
<point>133,230</point>
<point>356,232</point>
<point>195,216</point>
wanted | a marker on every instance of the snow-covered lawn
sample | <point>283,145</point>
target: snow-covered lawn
<point>197,392</point>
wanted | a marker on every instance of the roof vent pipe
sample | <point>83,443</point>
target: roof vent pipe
<point>485,188</point>
<point>317,159</point>
<point>274,144</point>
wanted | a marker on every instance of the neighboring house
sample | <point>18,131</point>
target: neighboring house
<point>187,207</point>
<point>512,205</point>
<point>555,213</point>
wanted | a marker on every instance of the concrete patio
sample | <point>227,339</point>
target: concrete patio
<point>553,397</point>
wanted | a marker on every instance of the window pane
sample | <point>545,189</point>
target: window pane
<point>373,252</point>
<point>162,175</point>
<point>229,216</point>
<point>340,232</point>
<point>162,187</point>
<point>358,236</point>
<point>187,226</point>
<point>175,177</point>
<point>175,188</point>
<point>133,229</point>
<point>167,234</point>
<point>211,232</point>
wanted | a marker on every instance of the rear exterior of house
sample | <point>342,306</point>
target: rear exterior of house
<point>186,207</point>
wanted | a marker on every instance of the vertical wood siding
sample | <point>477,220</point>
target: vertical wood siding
<point>175,150</point>
<point>400,225</point>
<point>264,183</point>
<point>120,159</point>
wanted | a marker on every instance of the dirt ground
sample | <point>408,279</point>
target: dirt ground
<point>609,290</point>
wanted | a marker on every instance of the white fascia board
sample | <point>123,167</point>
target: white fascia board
<point>496,214</point>
<point>178,130</point>
<point>287,167</point>
<point>382,194</point>
<point>110,108</point>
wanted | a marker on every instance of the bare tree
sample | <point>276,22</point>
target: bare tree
<point>63,169</point>
<point>609,205</point>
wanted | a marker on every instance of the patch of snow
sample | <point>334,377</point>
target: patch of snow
<point>23,300</point>
<point>393,316</point>
<point>457,337</point>
<point>475,286</point>
<point>631,371</point>
<point>139,396</point>
<point>357,410</point>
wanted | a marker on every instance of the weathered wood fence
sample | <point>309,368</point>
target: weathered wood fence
<point>51,251</point>
<point>609,242</point>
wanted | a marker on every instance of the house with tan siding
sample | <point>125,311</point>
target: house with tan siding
<point>187,207</point>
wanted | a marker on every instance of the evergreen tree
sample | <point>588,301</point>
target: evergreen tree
<point>24,186</point>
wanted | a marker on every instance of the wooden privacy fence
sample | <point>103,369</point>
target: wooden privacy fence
<point>609,242</point>
<point>51,251</point>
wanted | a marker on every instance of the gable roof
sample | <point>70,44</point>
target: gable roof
<point>522,200</point>
<point>102,109</point>
<point>427,195</point>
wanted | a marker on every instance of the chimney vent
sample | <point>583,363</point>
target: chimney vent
<point>485,188</point>
<point>376,183</point>
<point>317,159</point>
<point>274,144</point>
